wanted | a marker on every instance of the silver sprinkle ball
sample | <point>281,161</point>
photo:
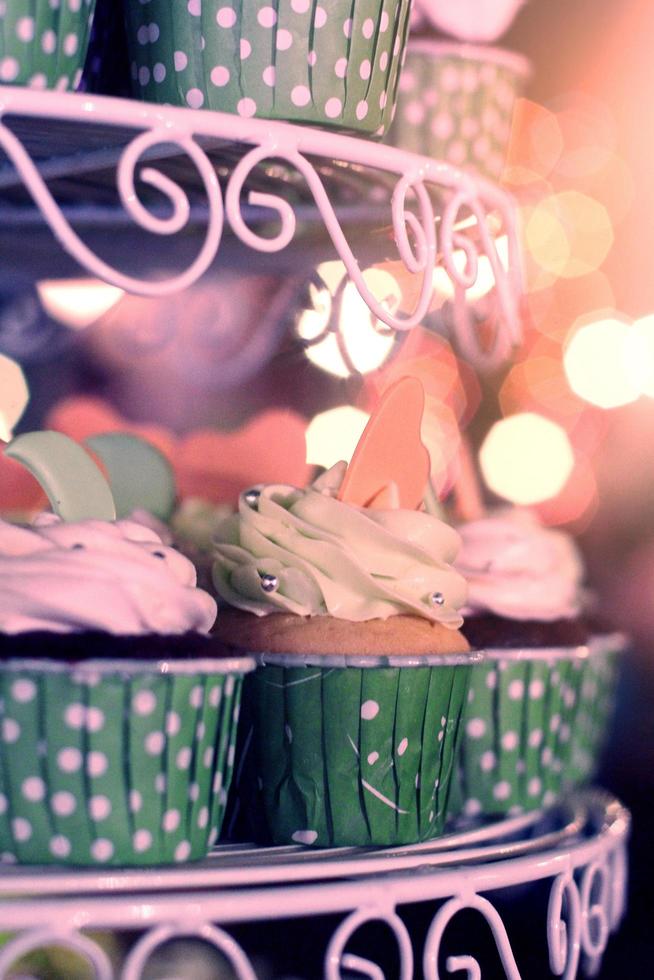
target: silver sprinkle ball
<point>268,582</point>
<point>252,497</point>
<point>437,598</point>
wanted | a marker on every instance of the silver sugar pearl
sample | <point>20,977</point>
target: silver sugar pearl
<point>268,582</point>
<point>252,497</point>
<point>436,598</point>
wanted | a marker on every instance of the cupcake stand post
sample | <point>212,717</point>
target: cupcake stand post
<point>226,187</point>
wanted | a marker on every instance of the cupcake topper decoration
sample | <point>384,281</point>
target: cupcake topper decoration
<point>390,465</point>
<point>139,475</point>
<point>75,486</point>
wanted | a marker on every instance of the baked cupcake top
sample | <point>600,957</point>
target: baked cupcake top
<point>116,577</point>
<point>520,570</point>
<point>308,553</point>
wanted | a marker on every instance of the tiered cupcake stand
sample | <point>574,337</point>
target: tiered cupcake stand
<point>108,178</point>
<point>577,851</point>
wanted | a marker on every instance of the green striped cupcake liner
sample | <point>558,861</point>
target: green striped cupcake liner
<point>124,763</point>
<point>455,103</point>
<point>332,64</point>
<point>533,725</point>
<point>43,43</point>
<point>356,751</point>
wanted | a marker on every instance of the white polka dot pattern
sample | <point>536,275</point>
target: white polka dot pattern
<point>292,59</point>
<point>526,731</point>
<point>70,798</point>
<point>453,108</point>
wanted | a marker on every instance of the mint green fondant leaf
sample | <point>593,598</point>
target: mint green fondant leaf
<point>140,476</point>
<point>75,486</point>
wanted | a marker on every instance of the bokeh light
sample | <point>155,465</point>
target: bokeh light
<point>485,279</point>
<point>568,234</point>
<point>598,364</point>
<point>14,396</point>
<point>640,355</point>
<point>526,458</point>
<point>333,435</point>
<point>357,342</point>
<point>77,303</point>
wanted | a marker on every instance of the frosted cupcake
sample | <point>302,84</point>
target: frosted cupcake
<point>353,612</point>
<point>118,709</point>
<point>529,719</point>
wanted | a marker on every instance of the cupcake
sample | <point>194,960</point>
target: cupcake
<point>335,65</point>
<point>117,708</point>
<point>532,707</point>
<point>455,103</point>
<point>353,611</point>
<point>44,44</point>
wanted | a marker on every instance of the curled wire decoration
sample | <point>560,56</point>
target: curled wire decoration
<point>73,244</point>
<point>618,893</point>
<point>207,933</point>
<point>414,230</point>
<point>337,960</point>
<point>504,313</point>
<point>595,895</point>
<point>40,939</point>
<point>564,926</point>
<point>440,923</point>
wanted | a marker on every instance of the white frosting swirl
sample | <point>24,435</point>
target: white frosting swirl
<point>96,575</point>
<point>332,558</point>
<point>519,569</point>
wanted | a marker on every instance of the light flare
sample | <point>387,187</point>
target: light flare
<point>599,363</point>
<point>14,396</point>
<point>526,458</point>
<point>334,434</point>
<point>359,342</point>
<point>77,303</point>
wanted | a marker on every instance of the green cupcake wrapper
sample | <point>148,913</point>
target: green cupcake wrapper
<point>347,756</point>
<point>333,64</point>
<point>110,766</point>
<point>455,103</point>
<point>43,45</point>
<point>532,729</point>
<point>596,706</point>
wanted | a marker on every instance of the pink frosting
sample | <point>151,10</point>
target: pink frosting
<point>519,569</point>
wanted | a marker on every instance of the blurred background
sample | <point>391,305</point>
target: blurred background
<point>242,367</point>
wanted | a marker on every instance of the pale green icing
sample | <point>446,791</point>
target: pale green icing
<point>333,558</point>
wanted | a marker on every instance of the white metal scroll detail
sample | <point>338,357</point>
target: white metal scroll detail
<point>422,245</point>
<point>586,903</point>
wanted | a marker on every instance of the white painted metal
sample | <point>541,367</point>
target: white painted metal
<point>469,214</point>
<point>586,902</point>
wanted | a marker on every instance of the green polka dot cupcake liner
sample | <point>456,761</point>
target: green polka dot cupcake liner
<point>455,103</point>
<point>596,707</point>
<point>333,64</point>
<point>123,764</point>
<point>43,43</point>
<point>349,752</point>
<point>521,730</point>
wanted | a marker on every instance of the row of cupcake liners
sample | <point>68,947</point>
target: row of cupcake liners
<point>341,67</point>
<point>296,60</point>
<point>119,768</point>
<point>529,726</point>
<point>133,766</point>
<point>44,45</point>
